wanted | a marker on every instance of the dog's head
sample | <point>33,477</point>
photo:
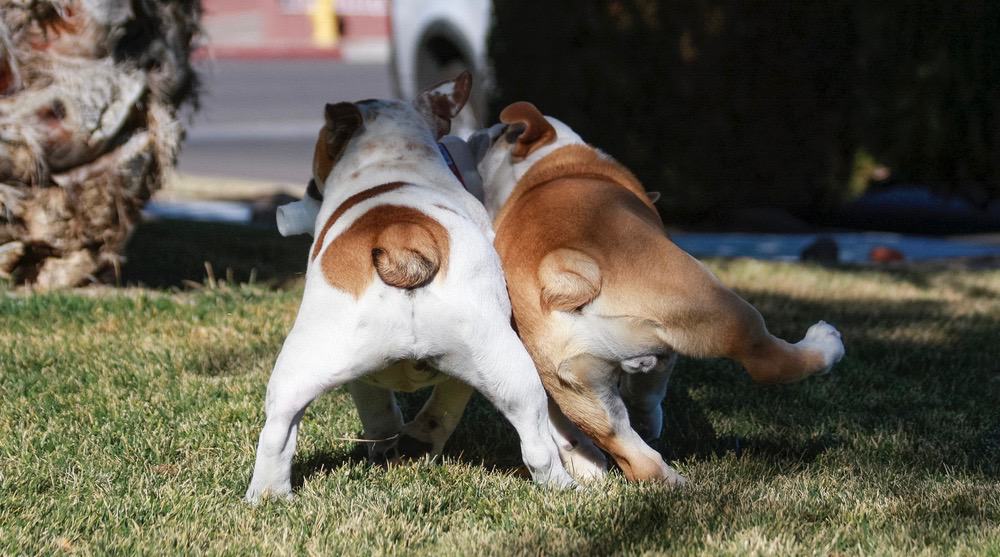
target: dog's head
<point>373,121</point>
<point>372,128</point>
<point>506,151</point>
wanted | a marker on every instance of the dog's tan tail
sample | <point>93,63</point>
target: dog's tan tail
<point>569,279</point>
<point>409,254</point>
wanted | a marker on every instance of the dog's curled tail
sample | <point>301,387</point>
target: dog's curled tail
<point>410,254</point>
<point>570,279</point>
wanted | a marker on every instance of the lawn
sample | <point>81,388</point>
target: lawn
<point>129,418</point>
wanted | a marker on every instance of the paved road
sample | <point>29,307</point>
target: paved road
<point>259,118</point>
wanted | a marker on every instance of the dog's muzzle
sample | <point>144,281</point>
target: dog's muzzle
<point>299,217</point>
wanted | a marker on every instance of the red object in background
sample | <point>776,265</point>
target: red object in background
<point>283,28</point>
<point>884,254</point>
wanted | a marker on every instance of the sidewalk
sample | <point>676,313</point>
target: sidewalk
<point>239,201</point>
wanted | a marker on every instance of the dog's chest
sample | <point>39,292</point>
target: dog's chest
<point>406,376</point>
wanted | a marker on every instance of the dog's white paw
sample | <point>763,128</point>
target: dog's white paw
<point>639,364</point>
<point>586,463</point>
<point>256,494</point>
<point>559,479</point>
<point>824,337</point>
<point>675,479</point>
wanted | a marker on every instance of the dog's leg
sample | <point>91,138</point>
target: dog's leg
<point>586,390</point>
<point>380,417</point>
<point>582,459</point>
<point>308,365</point>
<point>643,394</point>
<point>713,321</point>
<point>436,421</point>
<point>503,372</point>
<point>700,317</point>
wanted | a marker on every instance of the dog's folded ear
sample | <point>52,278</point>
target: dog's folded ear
<point>528,129</point>
<point>343,120</point>
<point>442,102</point>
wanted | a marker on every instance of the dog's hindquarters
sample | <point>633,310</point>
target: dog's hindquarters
<point>602,314</point>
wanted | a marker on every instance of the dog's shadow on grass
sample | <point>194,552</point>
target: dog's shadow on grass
<point>916,374</point>
<point>483,438</point>
<point>916,402</point>
<point>688,434</point>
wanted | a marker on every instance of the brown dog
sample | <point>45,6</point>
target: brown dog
<point>603,299</point>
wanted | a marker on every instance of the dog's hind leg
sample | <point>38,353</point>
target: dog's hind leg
<point>586,389</point>
<point>503,372</point>
<point>308,365</point>
<point>712,321</point>
<point>380,417</point>
<point>699,316</point>
<point>643,393</point>
<point>436,421</point>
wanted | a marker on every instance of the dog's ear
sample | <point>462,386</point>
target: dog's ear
<point>442,102</point>
<point>528,129</point>
<point>343,120</point>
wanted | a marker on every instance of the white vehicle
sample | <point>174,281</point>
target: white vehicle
<point>434,40</point>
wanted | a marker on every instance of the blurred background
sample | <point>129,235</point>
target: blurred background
<point>846,131</point>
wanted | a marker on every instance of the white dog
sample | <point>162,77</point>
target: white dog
<point>403,290</point>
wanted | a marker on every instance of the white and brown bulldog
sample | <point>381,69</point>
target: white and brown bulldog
<point>403,290</point>
<point>604,301</point>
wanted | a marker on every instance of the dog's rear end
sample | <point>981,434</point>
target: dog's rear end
<point>594,281</point>
<point>402,284</point>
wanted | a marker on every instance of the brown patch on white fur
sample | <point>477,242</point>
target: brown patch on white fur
<point>347,204</point>
<point>404,246</point>
<point>343,120</point>
<point>579,229</point>
<point>536,133</point>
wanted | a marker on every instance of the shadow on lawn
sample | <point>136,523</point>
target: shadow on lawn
<point>169,253</point>
<point>925,404</point>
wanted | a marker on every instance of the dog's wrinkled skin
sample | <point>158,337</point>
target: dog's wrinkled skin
<point>403,290</point>
<point>604,301</point>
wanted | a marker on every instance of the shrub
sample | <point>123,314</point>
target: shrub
<point>723,103</point>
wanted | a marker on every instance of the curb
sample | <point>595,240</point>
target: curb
<point>267,53</point>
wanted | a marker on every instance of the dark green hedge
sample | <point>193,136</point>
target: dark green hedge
<point>727,103</point>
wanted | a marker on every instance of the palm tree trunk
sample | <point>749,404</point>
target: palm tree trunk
<point>89,94</point>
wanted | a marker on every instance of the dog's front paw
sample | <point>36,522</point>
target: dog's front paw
<point>586,463</point>
<point>826,339</point>
<point>424,436</point>
<point>411,448</point>
<point>556,478</point>
<point>647,423</point>
<point>383,452</point>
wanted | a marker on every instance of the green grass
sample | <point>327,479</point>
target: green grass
<point>129,417</point>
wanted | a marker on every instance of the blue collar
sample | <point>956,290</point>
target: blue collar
<point>451,164</point>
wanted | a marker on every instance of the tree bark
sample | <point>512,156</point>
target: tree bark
<point>89,94</point>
